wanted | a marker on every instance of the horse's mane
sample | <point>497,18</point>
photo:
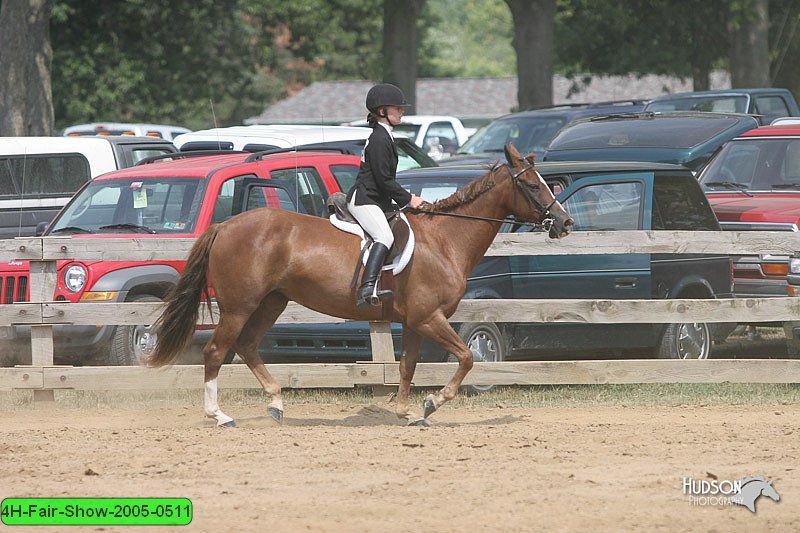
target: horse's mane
<point>472,190</point>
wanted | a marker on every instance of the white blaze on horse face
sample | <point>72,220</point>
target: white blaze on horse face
<point>211,406</point>
<point>543,186</point>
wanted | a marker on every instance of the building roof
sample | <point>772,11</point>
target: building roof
<point>335,102</point>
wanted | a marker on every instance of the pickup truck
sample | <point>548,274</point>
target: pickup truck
<point>753,184</point>
<point>765,103</point>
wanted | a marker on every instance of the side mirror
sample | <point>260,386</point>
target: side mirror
<point>41,227</point>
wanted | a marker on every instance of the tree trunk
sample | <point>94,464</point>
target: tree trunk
<point>400,46</point>
<point>534,27</point>
<point>749,59</point>
<point>26,97</point>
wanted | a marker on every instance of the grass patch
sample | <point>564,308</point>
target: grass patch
<point>578,396</point>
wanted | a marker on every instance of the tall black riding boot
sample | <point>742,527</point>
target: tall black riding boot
<point>368,292</point>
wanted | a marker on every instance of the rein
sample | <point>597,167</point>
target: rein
<point>546,223</point>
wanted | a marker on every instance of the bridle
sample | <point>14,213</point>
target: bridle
<point>527,190</point>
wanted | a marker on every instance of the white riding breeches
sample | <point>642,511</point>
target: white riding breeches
<point>373,220</point>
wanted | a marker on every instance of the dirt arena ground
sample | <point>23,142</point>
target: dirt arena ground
<point>350,466</point>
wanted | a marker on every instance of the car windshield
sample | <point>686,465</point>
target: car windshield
<point>717,104</point>
<point>528,133</point>
<point>408,131</point>
<point>432,189</point>
<point>659,131</point>
<point>760,164</point>
<point>132,205</point>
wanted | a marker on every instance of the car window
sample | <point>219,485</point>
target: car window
<point>141,153</point>
<point>409,131</point>
<point>160,205</point>
<point>306,179</point>
<point>440,139</point>
<point>345,176</point>
<point>529,134</point>
<point>759,164</point>
<point>718,104</point>
<point>42,175</point>
<point>771,106</point>
<point>606,206</point>
<point>228,200</point>
<point>679,204</point>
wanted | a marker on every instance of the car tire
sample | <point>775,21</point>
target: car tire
<point>690,340</point>
<point>131,345</point>
<point>486,343</point>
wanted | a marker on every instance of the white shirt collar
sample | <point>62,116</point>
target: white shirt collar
<point>388,128</point>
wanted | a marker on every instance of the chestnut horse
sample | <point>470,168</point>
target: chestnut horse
<point>259,260</point>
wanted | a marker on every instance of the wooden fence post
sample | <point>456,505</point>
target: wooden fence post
<point>380,335</point>
<point>42,288</point>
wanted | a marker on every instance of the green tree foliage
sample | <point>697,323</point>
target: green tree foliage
<point>467,39</point>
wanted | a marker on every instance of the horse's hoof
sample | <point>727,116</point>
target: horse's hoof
<point>428,408</point>
<point>276,414</point>
<point>420,422</point>
<point>228,424</point>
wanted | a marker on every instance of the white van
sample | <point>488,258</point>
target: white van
<point>258,138</point>
<point>125,128</point>
<point>38,175</point>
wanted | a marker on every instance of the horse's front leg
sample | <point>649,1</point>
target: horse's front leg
<point>438,329</point>
<point>408,363</point>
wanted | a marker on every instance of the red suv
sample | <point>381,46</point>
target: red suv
<point>179,198</point>
<point>753,183</point>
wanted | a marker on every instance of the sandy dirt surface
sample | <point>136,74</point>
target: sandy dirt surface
<point>353,467</point>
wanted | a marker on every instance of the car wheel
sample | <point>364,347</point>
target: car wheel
<point>486,344</point>
<point>132,345</point>
<point>691,340</point>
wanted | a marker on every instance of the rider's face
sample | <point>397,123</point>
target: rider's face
<point>394,114</point>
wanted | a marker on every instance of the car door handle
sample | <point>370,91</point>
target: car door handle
<point>624,283</point>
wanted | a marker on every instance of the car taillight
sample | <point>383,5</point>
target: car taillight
<point>775,269</point>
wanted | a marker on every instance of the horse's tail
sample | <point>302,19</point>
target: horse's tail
<point>177,322</point>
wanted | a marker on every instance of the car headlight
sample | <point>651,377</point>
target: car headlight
<point>74,278</point>
<point>794,265</point>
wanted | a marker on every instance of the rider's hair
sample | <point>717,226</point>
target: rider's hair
<point>375,114</point>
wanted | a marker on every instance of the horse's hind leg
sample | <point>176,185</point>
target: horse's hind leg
<point>437,329</point>
<point>408,363</point>
<point>226,332</point>
<point>247,347</point>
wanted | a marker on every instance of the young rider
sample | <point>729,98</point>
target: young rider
<point>376,188</point>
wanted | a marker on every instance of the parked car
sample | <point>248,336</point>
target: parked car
<point>792,328</point>
<point>125,128</point>
<point>683,138</point>
<point>258,138</point>
<point>169,199</point>
<point>530,131</point>
<point>599,196</point>
<point>754,184</point>
<point>438,135</point>
<point>38,175</point>
<point>767,103</point>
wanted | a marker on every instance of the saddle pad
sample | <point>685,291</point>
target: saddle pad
<point>399,262</point>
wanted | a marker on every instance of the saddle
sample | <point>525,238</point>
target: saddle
<point>336,204</point>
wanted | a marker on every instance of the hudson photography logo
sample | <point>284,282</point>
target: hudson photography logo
<point>724,492</point>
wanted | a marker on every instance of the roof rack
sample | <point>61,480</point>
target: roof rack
<point>184,155</point>
<point>322,147</point>
<point>607,103</point>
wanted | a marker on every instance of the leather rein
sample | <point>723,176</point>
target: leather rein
<point>547,219</point>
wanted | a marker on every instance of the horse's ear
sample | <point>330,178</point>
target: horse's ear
<point>531,158</point>
<point>512,155</point>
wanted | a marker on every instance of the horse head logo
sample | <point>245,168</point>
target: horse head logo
<point>752,488</point>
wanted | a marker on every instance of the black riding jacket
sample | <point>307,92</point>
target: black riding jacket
<point>376,183</point>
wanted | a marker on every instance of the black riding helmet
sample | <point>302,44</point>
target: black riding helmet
<point>385,94</point>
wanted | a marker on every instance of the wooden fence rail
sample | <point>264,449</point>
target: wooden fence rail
<point>42,314</point>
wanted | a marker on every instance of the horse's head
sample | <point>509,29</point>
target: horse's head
<point>538,202</point>
<point>769,491</point>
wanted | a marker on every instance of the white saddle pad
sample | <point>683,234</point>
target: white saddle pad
<point>399,262</point>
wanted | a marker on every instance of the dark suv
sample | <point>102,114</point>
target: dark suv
<point>599,196</point>
<point>687,138</point>
<point>767,103</point>
<point>530,131</point>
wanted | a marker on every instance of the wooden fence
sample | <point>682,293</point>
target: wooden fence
<point>41,314</point>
